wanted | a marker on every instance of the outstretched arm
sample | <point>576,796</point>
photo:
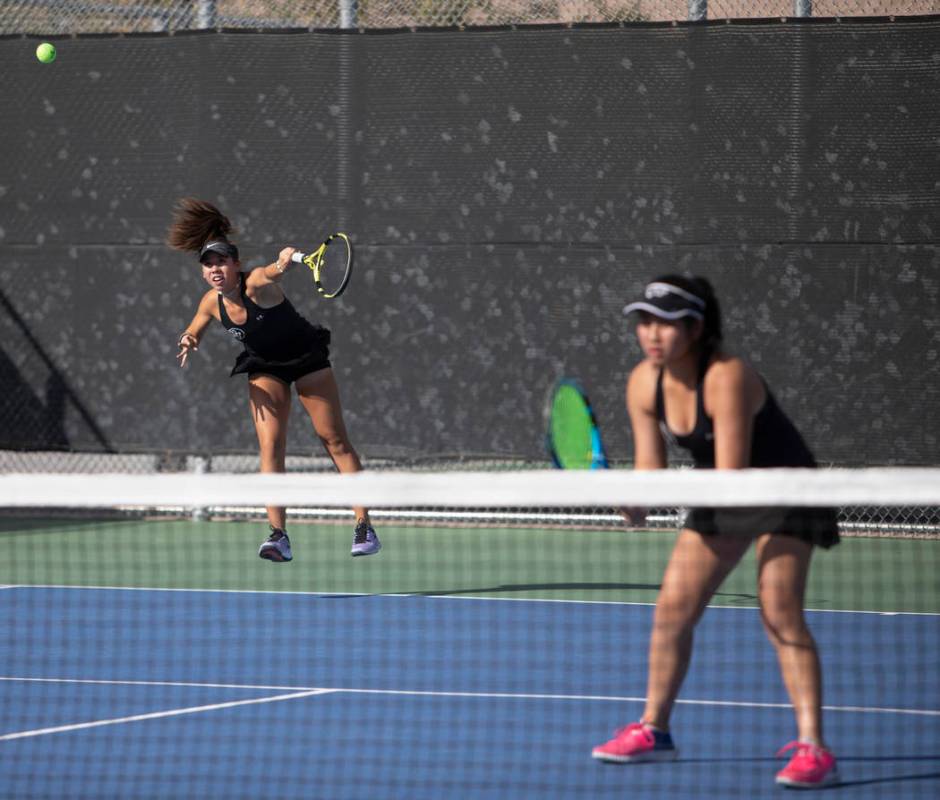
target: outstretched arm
<point>272,273</point>
<point>189,339</point>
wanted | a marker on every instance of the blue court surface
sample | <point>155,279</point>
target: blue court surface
<point>210,694</point>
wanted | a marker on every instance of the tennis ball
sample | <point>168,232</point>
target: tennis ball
<point>45,53</point>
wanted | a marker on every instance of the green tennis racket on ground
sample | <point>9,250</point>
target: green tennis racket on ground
<point>573,438</point>
<point>331,264</point>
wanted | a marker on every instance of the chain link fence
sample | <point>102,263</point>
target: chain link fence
<point>138,16</point>
<point>47,450</point>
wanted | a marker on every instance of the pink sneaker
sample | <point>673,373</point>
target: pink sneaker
<point>812,766</point>
<point>637,742</point>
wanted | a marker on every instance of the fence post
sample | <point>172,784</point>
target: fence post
<point>345,123</point>
<point>698,10</point>
<point>347,13</point>
<point>206,14</point>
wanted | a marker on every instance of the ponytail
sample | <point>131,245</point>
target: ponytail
<point>196,222</point>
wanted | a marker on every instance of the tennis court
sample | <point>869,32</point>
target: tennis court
<point>470,662</point>
<point>510,177</point>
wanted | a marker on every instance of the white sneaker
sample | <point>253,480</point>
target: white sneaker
<point>365,540</point>
<point>276,547</point>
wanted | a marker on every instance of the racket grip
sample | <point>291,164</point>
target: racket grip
<point>298,257</point>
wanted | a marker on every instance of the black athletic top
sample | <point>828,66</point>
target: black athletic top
<point>775,441</point>
<point>277,334</point>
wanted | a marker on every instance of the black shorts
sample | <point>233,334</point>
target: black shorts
<point>288,370</point>
<point>818,526</point>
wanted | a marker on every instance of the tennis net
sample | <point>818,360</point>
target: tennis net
<point>498,636</point>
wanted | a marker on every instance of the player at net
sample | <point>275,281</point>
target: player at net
<point>689,391</point>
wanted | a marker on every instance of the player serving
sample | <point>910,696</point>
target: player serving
<point>719,409</point>
<point>281,348</point>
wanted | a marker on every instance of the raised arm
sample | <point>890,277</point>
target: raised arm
<point>272,273</point>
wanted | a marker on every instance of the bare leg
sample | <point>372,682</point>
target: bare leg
<point>270,408</point>
<point>783,566</point>
<point>319,395</point>
<point>696,569</point>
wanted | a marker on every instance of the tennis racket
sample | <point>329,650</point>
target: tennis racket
<point>573,439</point>
<point>331,264</point>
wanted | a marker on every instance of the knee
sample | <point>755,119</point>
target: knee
<point>336,443</point>
<point>784,621</point>
<point>673,619</point>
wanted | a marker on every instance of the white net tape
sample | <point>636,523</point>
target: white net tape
<point>530,488</point>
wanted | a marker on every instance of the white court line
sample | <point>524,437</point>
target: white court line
<point>306,690</point>
<point>439,597</point>
<point>183,684</point>
<point>174,712</point>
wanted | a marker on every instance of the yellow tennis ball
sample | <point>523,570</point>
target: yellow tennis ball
<point>45,53</point>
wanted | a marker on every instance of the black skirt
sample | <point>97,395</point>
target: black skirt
<point>314,356</point>
<point>818,526</point>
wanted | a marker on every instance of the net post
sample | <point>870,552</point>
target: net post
<point>201,465</point>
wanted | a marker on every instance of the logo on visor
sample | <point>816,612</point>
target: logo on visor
<point>658,290</point>
<point>655,290</point>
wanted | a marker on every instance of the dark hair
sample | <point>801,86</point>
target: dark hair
<point>196,222</point>
<point>701,288</point>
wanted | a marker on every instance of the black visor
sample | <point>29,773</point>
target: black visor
<point>666,301</point>
<point>220,246</point>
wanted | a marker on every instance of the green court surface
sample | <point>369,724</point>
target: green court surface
<point>875,574</point>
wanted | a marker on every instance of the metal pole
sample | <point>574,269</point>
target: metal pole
<point>345,123</point>
<point>803,8</point>
<point>799,130</point>
<point>206,14</point>
<point>698,10</point>
<point>348,13</point>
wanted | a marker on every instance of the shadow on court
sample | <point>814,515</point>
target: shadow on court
<point>843,761</point>
<point>926,776</point>
<point>23,526</point>
<point>921,776</point>
<point>528,587</point>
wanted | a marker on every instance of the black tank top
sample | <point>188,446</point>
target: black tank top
<point>775,441</point>
<point>276,334</point>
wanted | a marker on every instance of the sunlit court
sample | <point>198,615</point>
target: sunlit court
<point>469,399</point>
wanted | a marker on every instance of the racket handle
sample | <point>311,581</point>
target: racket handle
<point>297,257</point>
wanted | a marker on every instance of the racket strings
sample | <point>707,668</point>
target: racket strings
<point>574,440</point>
<point>333,266</point>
